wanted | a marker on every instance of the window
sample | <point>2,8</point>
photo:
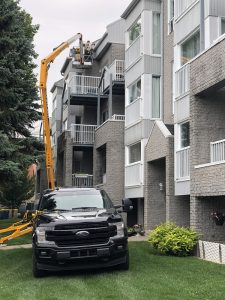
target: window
<point>156,34</point>
<point>222,26</point>
<point>190,48</point>
<point>134,91</point>
<point>135,153</point>
<point>155,97</point>
<point>135,31</point>
<point>185,135</point>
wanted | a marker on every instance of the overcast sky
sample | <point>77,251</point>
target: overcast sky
<point>61,19</point>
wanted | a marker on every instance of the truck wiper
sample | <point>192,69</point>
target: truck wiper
<point>60,209</point>
<point>85,208</point>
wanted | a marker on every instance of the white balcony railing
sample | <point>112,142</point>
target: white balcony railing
<point>118,118</point>
<point>82,180</point>
<point>117,71</point>
<point>133,111</point>
<point>182,5</point>
<point>182,81</point>
<point>133,52</point>
<point>84,85</point>
<point>83,134</point>
<point>134,174</point>
<point>183,163</point>
<point>217,151</point>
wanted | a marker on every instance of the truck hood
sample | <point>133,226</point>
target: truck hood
<point>109,215</point>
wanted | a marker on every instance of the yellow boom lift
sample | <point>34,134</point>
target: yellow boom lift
<point>25,225</point>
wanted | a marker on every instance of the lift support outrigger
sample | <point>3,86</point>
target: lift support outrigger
<point>25,225</point>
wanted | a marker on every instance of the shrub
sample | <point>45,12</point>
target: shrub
<point>171,239</point>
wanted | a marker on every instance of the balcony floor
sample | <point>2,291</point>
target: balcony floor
<point>117,88</point>
<point>87,99</point>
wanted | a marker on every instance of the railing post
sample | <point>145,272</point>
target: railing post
<point>110,97</point>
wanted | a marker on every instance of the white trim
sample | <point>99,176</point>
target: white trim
<point>163,128</point>
<point>210,164</point>
<point>184,179</point>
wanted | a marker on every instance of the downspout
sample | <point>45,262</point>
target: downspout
<point>99,97</point>
<point>202,25</point>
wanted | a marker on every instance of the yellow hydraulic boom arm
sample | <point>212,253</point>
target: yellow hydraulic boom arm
<point>45,63</point>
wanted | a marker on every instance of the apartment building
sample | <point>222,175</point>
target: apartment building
<point>151,129</point>
<point>88,116</point>
<point>174,135</point>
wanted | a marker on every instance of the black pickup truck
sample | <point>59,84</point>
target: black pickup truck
<point>79,229</point>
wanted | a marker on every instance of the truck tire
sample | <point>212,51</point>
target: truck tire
<point>125,266</point>
<point>37,273</point>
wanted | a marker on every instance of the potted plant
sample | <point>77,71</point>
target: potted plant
<point>138,228</point>
<point>218,218</point>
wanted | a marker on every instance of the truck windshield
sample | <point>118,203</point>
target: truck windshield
<point>73,200</point>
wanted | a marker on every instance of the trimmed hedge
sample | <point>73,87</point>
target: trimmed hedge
<point>171,239</point>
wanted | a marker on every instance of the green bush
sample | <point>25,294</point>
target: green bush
<point>171,239</point>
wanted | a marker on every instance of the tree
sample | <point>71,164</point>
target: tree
<point>19,107</point>
<point>20,189</point>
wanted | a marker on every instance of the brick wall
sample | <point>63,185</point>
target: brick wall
<point>161,206</point>
<point>111,136</point>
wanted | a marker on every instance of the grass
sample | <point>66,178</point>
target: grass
<point>24,239</point>
<point>150,276</point>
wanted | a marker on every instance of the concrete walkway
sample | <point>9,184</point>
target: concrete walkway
<point>5,247</point>
<point>138,238</point>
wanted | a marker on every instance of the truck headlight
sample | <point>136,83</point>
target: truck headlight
<point>41,236</point>
<point>120,229</point>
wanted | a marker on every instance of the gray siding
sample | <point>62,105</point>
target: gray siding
<point>138,131</point>
<point>187,24</point>
<point>216,8</point>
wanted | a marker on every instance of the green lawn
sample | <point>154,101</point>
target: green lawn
<point>24,239</point>
<point>151,277</point>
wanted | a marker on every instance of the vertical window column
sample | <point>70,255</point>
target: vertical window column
<point>156,33</point>
<point>156,99</point>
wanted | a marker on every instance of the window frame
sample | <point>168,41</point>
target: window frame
<point>130,42</point>
<point>180,138</point>
<point>129,89</point>
<point>152,47</point>
<point>185,41</point>
<point>160,97</point>
<point>129,153</point>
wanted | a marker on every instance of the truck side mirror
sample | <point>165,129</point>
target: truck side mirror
<point>127,205</point>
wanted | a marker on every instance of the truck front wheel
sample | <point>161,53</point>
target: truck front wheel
<point>37,273</point>
<point>125,266</point>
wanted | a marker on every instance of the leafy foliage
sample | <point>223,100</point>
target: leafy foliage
<point>171,239</point>
<point>19,107</point>
<point>19,190</point>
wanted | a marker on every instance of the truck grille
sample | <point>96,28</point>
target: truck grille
<point>64,235</point>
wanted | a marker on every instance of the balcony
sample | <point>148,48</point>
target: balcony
<point>182,81</point>
<point>181,6</point>
<point>133,111</point>
<point>133,52</point>
<point>83,134</point>
<point>183,163</point>
<point>118,118</point>
<point>217,151</point>
<point>134,174</point>
<point>117,71</point>
<point>82,180</point>
<point>84,85</point>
